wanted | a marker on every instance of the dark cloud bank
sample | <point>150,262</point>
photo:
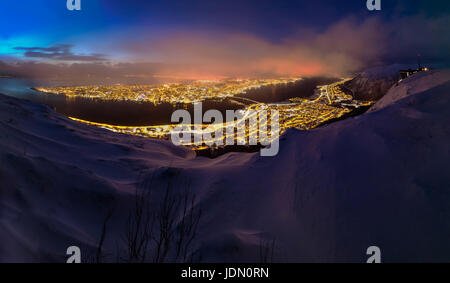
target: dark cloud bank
<point>60,52</point>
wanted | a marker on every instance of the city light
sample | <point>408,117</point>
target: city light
<point>330,102</point>
<point>174,93</point>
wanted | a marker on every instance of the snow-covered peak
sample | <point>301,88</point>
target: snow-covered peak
<point>384,72</point>
<point>373,83</point>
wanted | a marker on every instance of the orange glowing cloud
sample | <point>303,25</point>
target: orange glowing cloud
<point>343,47</point>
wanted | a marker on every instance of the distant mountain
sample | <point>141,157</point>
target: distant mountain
<point>373,83</point>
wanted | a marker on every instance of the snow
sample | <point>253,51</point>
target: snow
<point>373,83</point>
<point>414,84</point>
<point>377,179</point>
<point>384,72</point>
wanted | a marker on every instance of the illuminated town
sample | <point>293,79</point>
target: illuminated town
<point>329,102</point>
<point>174,93</point>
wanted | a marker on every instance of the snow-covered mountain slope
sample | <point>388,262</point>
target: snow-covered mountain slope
<point>377,179</point>
<point>373,83</point>
<point>59,179</point>
<point>414,84</point>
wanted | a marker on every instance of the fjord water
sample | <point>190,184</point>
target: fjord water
<point>142,113</point>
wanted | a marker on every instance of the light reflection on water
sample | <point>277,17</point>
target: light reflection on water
<point>138,114</point>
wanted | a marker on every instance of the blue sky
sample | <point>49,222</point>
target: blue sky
<point>41,23</point>
<point>178,31</point>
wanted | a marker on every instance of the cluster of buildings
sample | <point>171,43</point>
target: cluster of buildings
<point>174,93</point>
<point>300,113</point>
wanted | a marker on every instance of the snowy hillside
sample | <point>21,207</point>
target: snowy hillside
<point>412,85</point>
<point>373,83</point>
<point>378,179</point>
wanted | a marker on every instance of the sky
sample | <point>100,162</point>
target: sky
<point>218,38</point>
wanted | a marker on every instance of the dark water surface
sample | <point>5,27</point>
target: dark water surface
<point>138,113</point>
